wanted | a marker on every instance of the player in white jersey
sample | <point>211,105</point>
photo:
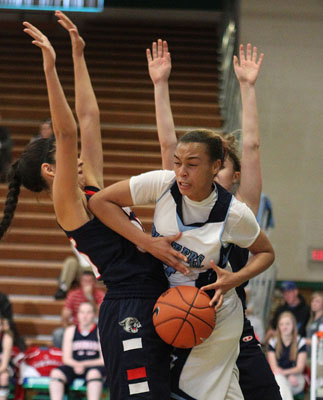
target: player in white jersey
<point>239,176</point>
<point>210,220</point>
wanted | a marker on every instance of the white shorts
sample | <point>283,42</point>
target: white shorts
<point>210,370</point>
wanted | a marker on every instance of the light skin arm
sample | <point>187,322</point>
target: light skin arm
<point>67,347</point>
<point>271,357</point>
<point>262,257</point>
<point>67,196</point>
<point>159,66</point>
<point>7,343</point>
<point>247,70</point>
<point>106,206</point>
<point>87,109</point>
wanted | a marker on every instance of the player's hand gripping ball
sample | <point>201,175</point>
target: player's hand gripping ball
<point>182,316</point>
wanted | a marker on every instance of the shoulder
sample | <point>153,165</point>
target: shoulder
<point>74,293</point>
<point>164,176</point>
<point>272,344</point>
<point>69,331</point>
<point>301,344</point>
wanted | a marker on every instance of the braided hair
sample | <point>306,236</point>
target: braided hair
<point>26,171</point>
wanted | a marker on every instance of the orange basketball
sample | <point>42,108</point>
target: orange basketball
<point>182,316</point>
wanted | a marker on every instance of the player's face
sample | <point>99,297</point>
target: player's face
<point>317,304</point>
<point>194,170</point>
<point>285,326</point>
<point>85,314</point>
<point>45,130</point>
<point>227,176</point>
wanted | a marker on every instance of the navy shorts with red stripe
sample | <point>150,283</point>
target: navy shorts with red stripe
<point>137,361</point>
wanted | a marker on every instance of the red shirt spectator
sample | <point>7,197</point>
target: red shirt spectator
<point>86,293</point>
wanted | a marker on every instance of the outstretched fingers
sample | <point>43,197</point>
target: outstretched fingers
<point>64,20</point>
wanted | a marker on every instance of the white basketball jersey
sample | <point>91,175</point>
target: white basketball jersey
<point>200,242</point>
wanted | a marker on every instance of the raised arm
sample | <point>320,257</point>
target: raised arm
<point>67,197</point>
<point>159,66</point>
<point>87,109</point>
<point>247,71</point>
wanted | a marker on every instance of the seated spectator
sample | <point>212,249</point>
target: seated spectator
<point>6,312</point>
<point>45,130</point>
<point>71,272</point>
<point>87,292</point>
<point>295,303</point>
<point>82,356</point>
<point>287,356</point>
<point>6,344</point>
<point>5,152</point>
<point>316,322</point>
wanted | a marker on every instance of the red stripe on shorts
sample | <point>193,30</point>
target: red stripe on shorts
<point>136,373</point>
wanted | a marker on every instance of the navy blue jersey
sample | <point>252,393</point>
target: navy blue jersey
<point>86,347</point>
<point>125,269</point>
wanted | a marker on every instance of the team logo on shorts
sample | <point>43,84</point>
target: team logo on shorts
<point>130,324</point>
<point>247,338</point>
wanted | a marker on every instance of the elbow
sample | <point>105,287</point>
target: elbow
<point>89,114</point>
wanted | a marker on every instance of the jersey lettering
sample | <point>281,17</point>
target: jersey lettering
<point>194,260</point>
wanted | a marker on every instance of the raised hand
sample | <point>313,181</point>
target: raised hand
<point>225,281</point>
<point>78,43</point>
<point>159,61</point>
<point>41,41</point>
<point>247,70</point>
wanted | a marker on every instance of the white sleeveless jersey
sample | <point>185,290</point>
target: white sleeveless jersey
<point>229,221</point>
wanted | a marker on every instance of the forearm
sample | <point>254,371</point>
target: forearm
<point>91,363</point>
<point>250,124</point>
<point>61,114</point>
<point>165,123</point>
<point>256,265</point>
<point>67,360</point>
<point>115,218</point>
<point>85,101</point>
<point>251,180</point>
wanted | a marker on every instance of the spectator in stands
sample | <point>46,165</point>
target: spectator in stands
<point>5,152</point>
<point>45,130</point>
<point>72,271</point>
<point>287,356</point>
<point>6,312</point>
<point>295,303</point>
<point>6,343</point>
<point>82,356</point>
<point>316,322</point>
<point>87,292</point>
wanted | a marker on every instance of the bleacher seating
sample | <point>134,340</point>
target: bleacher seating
<point>32,252</point>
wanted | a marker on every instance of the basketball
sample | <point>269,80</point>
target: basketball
<point>182,316</point>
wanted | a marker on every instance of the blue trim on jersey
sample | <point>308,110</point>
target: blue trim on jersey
<point>182,227</point>
<point>162,195</point>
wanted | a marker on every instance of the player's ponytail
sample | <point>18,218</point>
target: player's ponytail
<point>14,183</point>
<point>26,171</point>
